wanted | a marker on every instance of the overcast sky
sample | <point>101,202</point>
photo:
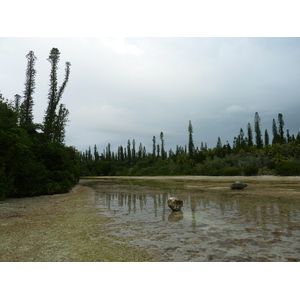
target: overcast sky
<point>134,88</point>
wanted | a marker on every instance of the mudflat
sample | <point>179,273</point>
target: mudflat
<point>59,228</point>
<point>77,227</point>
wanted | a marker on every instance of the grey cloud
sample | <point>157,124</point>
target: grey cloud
<point>122,89</point>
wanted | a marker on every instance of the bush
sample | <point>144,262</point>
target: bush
<point>285,168</point>
<point>231,171</point>
<point>250,170</point>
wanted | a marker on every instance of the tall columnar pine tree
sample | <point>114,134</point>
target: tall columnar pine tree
<point>241,141</point>
<point>140,152</point>
<point>129,152</point>
<point>26,108</point>
<point>280,129</point>
<point>52,126</point>
<point>250,135</point>
<point>276,136</point>
<point>17,107</point>
<point>133,153</point>
<point>258,137</point>
<point>153,146</point>
<point>266,138</point>
<point>191,142</point>
<point>163,153</point>
<point>96,153</point>
<point>288,137</point>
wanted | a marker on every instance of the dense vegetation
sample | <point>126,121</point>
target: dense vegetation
<point>250,154</point>
<point>33,157</point>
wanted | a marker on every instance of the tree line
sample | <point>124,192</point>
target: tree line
<point>33,157</point>
<point>253,152</point>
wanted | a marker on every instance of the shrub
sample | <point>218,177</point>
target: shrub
<point>285,168</point>
<point>250,170</point>
<point>231,171</point>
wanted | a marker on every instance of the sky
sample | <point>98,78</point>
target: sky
<point>122,89</point>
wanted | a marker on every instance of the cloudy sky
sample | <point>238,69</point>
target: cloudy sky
<point>134,88</point>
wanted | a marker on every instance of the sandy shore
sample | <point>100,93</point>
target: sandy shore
<point>56,228</point>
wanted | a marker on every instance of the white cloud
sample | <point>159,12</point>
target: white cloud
<point>120,46</point>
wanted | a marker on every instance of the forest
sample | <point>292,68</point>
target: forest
<point>33,157</point>
<point>253,152</point>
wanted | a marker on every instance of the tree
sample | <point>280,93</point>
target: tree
<point>96,153</point>
<point>280,129</point>
<point>241,141</point>
<point>129,152</point>
<point>26,109</point>
<point>133,150</point>
<point>288,137</point>
<point>60,124</point>
<point>219,143</point>
<point>54,96</point>
<point>258,138</point>
<point>275,133</point>
<point>266,138</point>
<point>250,135</point>
<point>219,148</point>
<point>108,152</point>
<point>17,107</point>
<point>191,142</point>
<point>140,152</point>
<point>163,154</point>
<point>154,146</point>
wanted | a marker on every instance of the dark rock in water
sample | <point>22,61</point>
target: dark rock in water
<point>175,204</point>
<point>238,185</point>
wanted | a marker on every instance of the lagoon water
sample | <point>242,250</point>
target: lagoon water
<point>210,227</point>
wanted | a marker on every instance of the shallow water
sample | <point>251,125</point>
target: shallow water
<point>214,226</point>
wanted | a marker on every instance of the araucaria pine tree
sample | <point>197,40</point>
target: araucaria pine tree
<point>153,146</point>
<point>266,138</point>
<point>55,121</point>
<point>250,136</point>
<point>163,154</point>
<point>26,108</point>
<point>280,128</point>
<point>191,142</point>
<point>258,137</point>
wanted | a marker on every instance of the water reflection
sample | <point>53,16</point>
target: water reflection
<point>265,215</point>
<point>175,216</point>
<point>220,228</point>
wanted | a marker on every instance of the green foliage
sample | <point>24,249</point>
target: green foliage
<point>56,116</point>
<point>31,166</point>
<point>244,158</point>
<point>286,168</point>
<point>26,108</point>
<point>33,163</point>
<point>250,170</point>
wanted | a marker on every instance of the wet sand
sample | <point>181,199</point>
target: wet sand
<point>59,228</point>
<point>259,223</point>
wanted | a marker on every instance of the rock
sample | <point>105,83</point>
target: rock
<point>238,185</point>
<point>175,204</point>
